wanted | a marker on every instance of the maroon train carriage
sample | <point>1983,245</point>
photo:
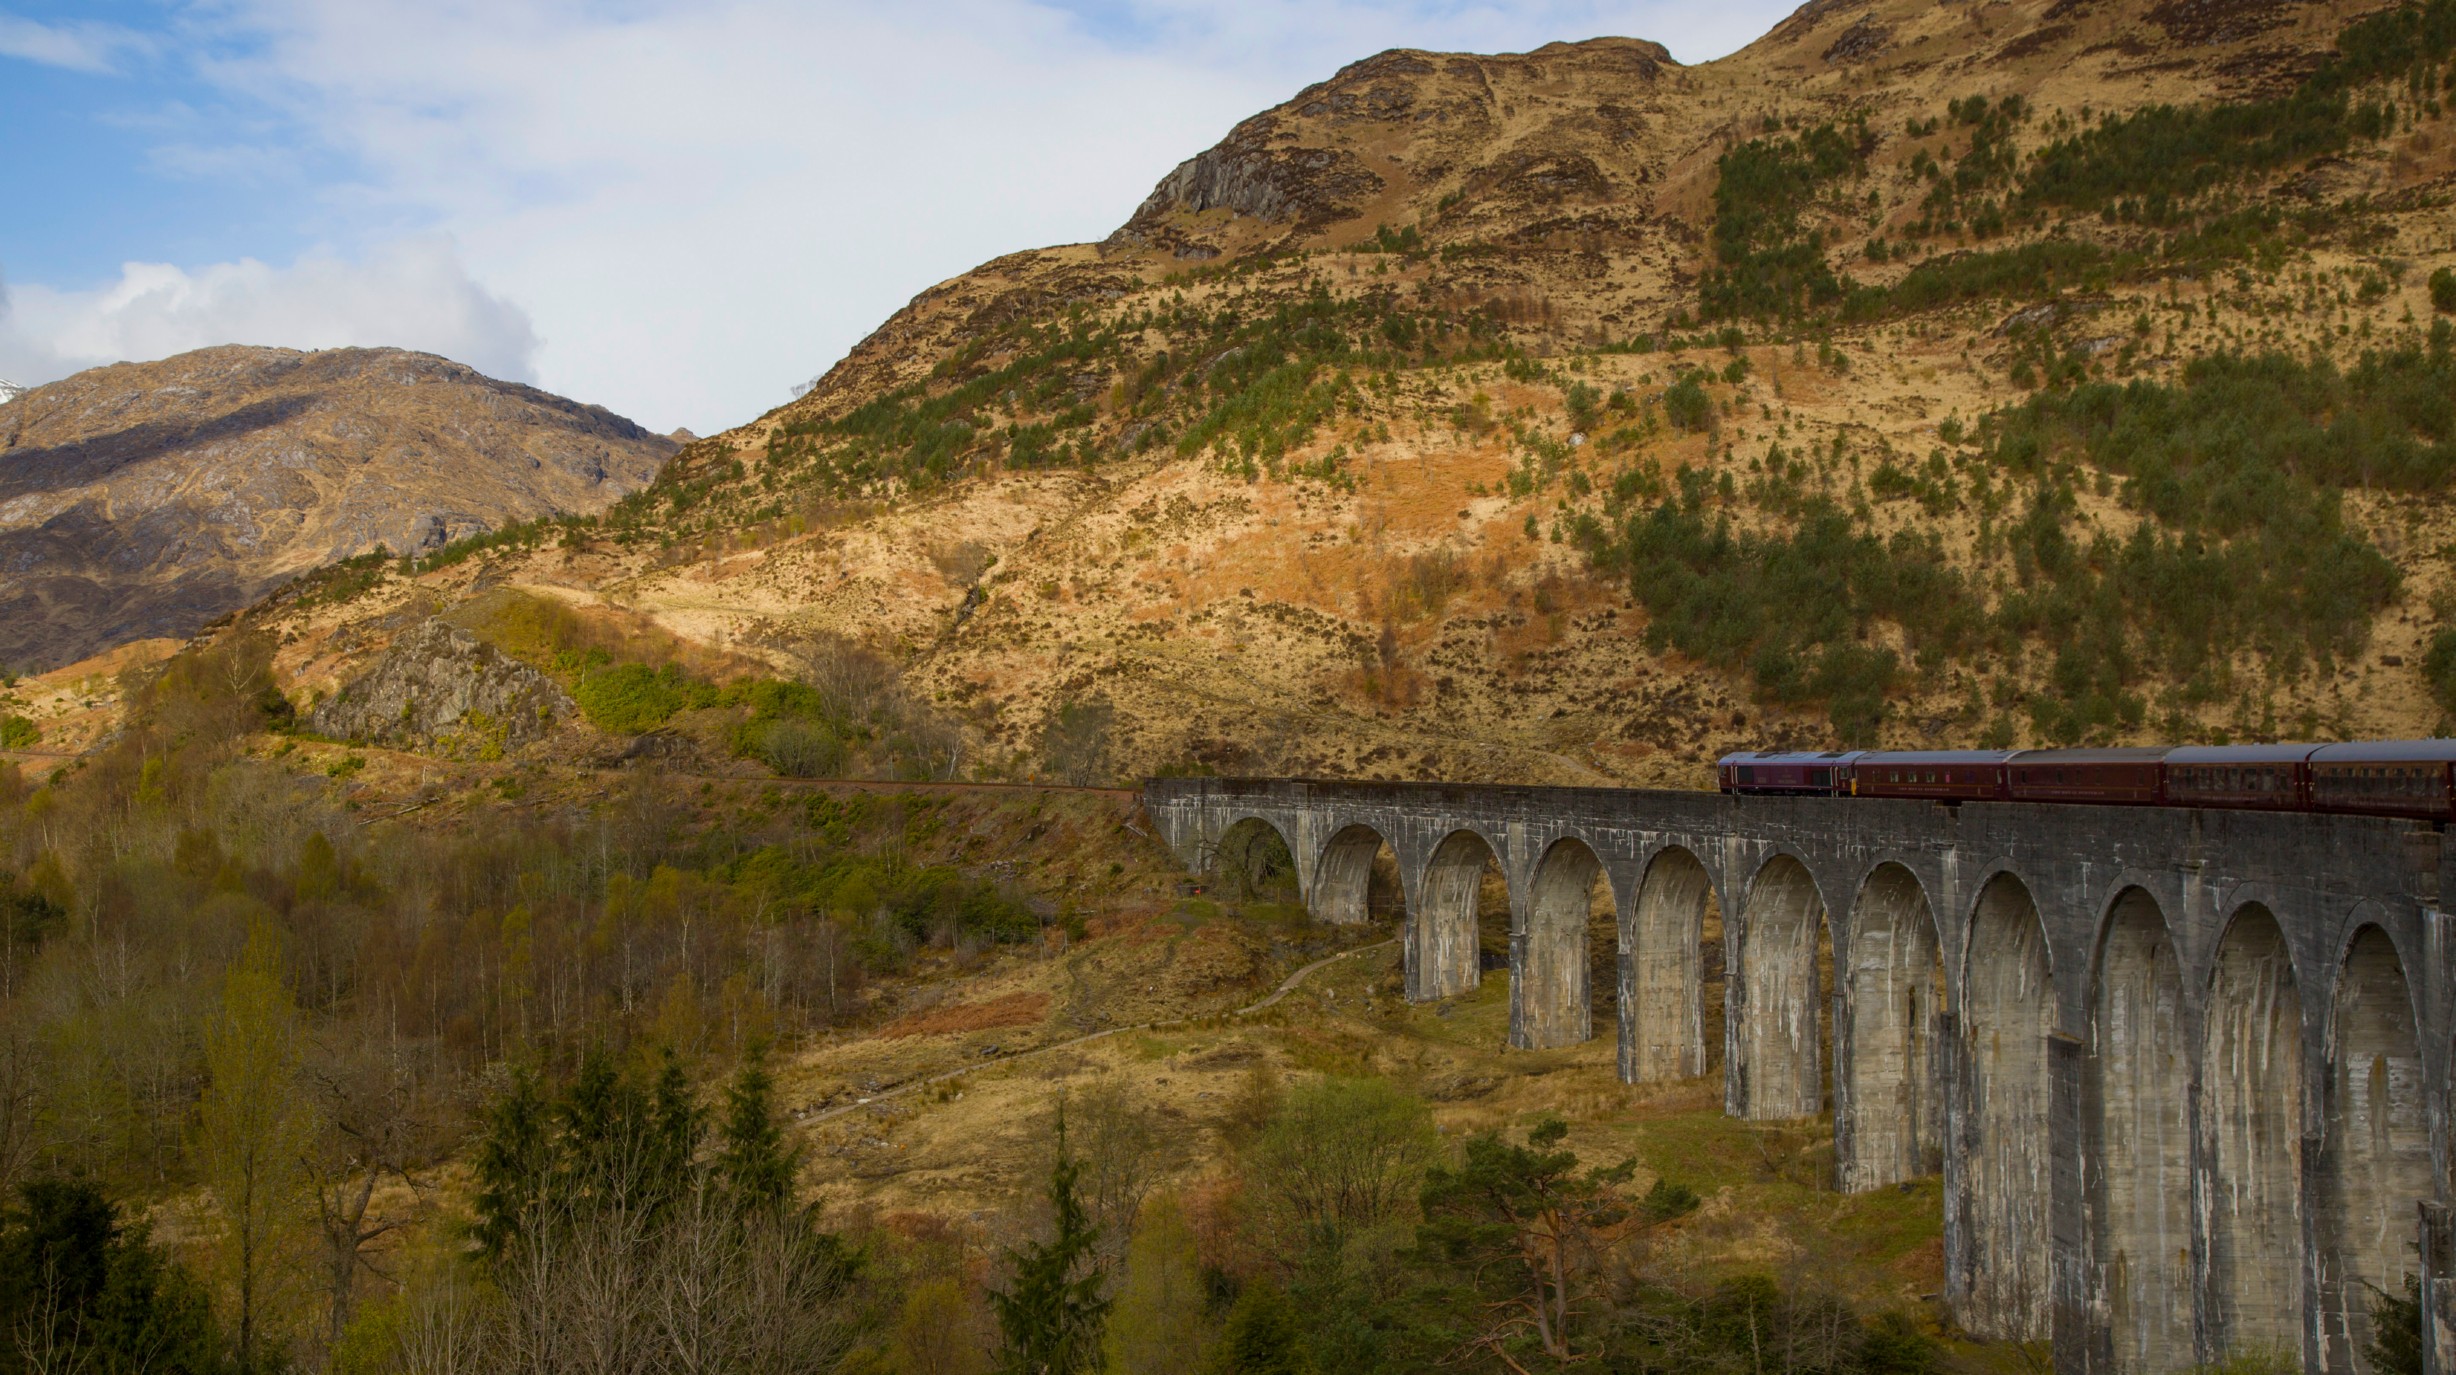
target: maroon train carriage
<point>1937,775</point>
<point>2414,778</point>
<point>1797,774</point>
<point>2383,777</point>
<point>2105,778</point>
<point>2271,778</point>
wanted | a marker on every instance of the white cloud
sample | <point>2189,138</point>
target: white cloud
<point>414,294</point>
<point>76,47</point>
<point>702,202</point>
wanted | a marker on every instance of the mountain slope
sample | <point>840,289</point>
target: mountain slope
<point>1572,415</point>
<point>145,499</point>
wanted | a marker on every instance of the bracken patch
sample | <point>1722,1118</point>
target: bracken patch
<point>1015,1009</point>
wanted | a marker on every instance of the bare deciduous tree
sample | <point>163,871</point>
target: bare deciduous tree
<point>377,1122</point>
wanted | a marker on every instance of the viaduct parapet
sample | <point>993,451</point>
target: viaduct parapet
<point>2186,1074</point>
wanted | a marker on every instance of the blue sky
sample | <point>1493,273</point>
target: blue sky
<point>677,208</point>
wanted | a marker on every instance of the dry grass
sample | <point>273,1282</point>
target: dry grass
<point>1015,1009</point>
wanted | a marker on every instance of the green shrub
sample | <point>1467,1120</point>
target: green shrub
<point>2395,1345</point>
<point>2443,291</point>
<point>1667,1200</point>
<point>27,914</point>
<point>2034,269</point>
<point>1788,609</point>
<point>2239,466</point>
<point>18,733</point>
<point>2238,469</point>
<point>1766,263</point>
<point>1584,405</point>
<point>1249,385</point>
<point>798,747</point>
<point>519,535</point>
<point>2439,670</point>
<point>2164,166</point>
<point>345,579</point>
<point>1686,405</point>
<point>628,699</point>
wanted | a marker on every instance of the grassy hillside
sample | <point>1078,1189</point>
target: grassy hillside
<point>1953,383</point>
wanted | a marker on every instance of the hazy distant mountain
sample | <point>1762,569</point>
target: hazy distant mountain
<point>146,499</point>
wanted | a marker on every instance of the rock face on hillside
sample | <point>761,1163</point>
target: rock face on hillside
<point>437,687</point>
<point>146,499</point>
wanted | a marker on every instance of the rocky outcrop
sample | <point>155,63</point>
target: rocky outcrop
<point>438,687</point>
<point>1247,175</point>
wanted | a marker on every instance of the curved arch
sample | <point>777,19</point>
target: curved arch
<point>1443,939</point>
<point>1254,860</point>
<point>1343,875</point>
<point>2368,922</point>
<point>2378,1149</point>
<point>1551,990</point>
<point>2008,1014</point>
<point>1662,1012</point>
<point>2282,908</point>
<point>1894,1099</point>
<point>2142,1082</point>
<point>1777,1069</point>
<point>2251,1101</point>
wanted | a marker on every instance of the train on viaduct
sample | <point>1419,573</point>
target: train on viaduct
<point>2185,1072</point>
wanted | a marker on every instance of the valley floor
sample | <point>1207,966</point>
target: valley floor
<point>972,1149</point>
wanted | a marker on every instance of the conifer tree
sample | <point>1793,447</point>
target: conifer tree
<point>1263,1337</point>
<point>753,1160</point>
<point>673,1131</point>
<point>1051,1316</point>
<point>513,1159</point>
<point>80,1290</point>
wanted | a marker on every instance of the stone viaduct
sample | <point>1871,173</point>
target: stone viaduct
<point>2186,1074</point>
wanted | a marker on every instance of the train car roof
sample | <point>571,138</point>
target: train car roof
<point>2128,754</point>
<point>2239,754</point>
<point>1791,757</point>
<point>2384,752</point>
<point>1936,756</point>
